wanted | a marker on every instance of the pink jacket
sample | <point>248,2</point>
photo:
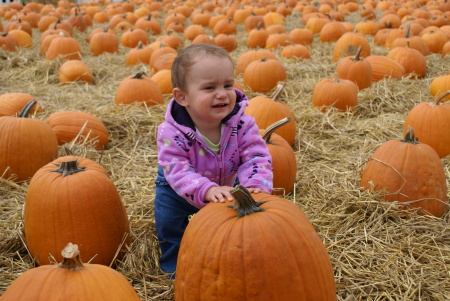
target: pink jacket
<point>191,167</point>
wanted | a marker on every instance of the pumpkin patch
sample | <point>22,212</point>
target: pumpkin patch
<point>375,243</point>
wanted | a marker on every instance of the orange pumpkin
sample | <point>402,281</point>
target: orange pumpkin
<point>384,67</point>
<point>410,172</point>
<point>12,103</point>
<point>242,259</point>
<point>26,145</point>
<point>283,158</point>
<point>75,70</point>
<point>263,75</point>
<point>348,44</point>
<point>71,280</point>
<point>80,127</point>
<point>341,94</point>
<point>431,122</point>
<point>268,110</point>
<point>139,88</point>
<point>104,41</point>
<point>250,56</point>
<point>74,198</point>
<point>356,69</point>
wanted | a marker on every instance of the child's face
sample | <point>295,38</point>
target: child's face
<point>210,95</point>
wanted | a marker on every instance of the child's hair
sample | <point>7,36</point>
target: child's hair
<point>188,57</point>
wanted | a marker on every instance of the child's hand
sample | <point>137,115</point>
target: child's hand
<point>219,194</point>
<point>257,190</point>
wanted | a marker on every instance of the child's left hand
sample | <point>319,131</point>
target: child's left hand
<point>257,190</point>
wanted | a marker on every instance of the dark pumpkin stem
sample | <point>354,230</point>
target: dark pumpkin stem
<point>245,204</point>
<point>409,137</point>
<point>357,54</point>
<point>68,168</point>
<point>71,258</point>
<point>139,75</point>
<point>408,30</point>
<point>27,108</point>
<point>267,134</point>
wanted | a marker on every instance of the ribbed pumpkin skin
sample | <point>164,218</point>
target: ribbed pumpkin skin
<point>263,75</point>
<point>26,144</point>
<point>409,172</point>
<point>266,111</point>
<point>283,163</point>
<point>355,69</point>
<point>84,207</point>
<point>139,88</point>
<point>274,255</point>
<point>12,103</point>
<point>384,67</point>
<point>341,94</point>
<point>94,282</point>
<point>439,85</point>
<point>431,124</point>
<point>68,124</point>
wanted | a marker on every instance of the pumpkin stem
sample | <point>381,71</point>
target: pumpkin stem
<point>409,137</point>
<point>68,168</point>
<point>277,92</point>
<point>139,75</point>
<point>27,108</point>
<point>438,99</point>
<point>408,30</point>
<point>267,134</point>
<point>357,54</point>
<point>245,204</point>
<point>71,256</point>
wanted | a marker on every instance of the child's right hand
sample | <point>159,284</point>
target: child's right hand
<point>219,194</point>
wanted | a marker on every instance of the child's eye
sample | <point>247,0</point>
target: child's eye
<point>229,86</point>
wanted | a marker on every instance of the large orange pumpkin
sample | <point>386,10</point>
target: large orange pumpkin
<point>410,172</point>
<point>71,280</point>
<point>73,199</point>
<point>26,144</point>
<point>12,103</point>
<point>237,255</point>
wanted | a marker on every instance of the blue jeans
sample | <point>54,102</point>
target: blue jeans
<point>171,220</point>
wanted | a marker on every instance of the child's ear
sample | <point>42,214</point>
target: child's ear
<point>179,96</point>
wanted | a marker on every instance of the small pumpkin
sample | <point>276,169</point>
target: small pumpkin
<point>410,172</point>
<point>74,198</point>
<point>75,70</point>
<point>341,94</point>
<point>104,41</point>
<point>71,280</point>
<point>250,56</point>
<point>81,127</point>
<point>26,144</point>
<point>431,122</point>
<point>348,45</point>
<point>384,67</point>
<point>242,260</point>
<point>12,103</point>
<point>139,88</point>
<point>264,75</point>
<point>356,69</point>
<point>411,59</point>
<point>63,48</point>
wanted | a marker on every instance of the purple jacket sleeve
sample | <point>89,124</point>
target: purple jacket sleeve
<point>178,171</point>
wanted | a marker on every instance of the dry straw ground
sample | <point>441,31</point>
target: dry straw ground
<point>377,252</point>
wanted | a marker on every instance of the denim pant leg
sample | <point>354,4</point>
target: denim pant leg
<point>171,219</point>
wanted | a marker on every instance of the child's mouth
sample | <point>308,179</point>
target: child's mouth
<point>220,105</point>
